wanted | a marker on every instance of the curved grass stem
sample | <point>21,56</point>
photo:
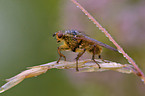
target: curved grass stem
<point>138,71</point>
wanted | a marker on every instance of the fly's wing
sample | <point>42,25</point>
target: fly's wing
<point>78,35</point>
<point>105,45</point>
<point>101,44</point>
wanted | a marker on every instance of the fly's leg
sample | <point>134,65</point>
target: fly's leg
<point>77,58</point>
<point>93,57</point>
<point>62,48</point>
<point>60,54</point>
<point>99,57</point>
<point>103,59</point>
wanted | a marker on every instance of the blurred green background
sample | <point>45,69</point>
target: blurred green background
<point>26,28</point>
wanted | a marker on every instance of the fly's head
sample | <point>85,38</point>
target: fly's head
<point>68,36</point>
<point>59,36</point>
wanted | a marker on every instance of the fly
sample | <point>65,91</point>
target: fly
<point>75,41</point>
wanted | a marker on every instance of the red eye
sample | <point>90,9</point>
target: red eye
<point>60,35</point>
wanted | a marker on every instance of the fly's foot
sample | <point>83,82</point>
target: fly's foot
<point>57,62</point>
<point>106,61</point>
<point>77,69</point>
<point>97,64</point>
<point>60,58</point>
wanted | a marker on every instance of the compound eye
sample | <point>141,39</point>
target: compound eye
<point>60,35</point>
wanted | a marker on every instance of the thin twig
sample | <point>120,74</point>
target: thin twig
<point>84,66</point>
<point>130,60</point>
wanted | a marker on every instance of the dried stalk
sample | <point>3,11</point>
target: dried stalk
<point>120,50</point>
<point>84,66</point>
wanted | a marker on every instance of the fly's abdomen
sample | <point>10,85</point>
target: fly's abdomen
<point>95,48</point>
<point>90,47</point>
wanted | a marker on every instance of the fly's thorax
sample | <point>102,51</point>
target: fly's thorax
<point>72,32</point>
<point>71,42</point>
<point>68,39</point>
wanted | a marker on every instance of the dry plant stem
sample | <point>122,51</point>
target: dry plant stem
<point>130,60</point>
<point>84,66</point>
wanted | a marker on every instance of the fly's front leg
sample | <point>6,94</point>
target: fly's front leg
<point>77,58</point>
<point>62,48</point>
<point>93,57</point>
<point>60,54</point>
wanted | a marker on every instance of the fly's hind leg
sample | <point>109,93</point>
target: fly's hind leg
<point>93,57</point>
<point>100,57</point>
<point>77,58</point>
